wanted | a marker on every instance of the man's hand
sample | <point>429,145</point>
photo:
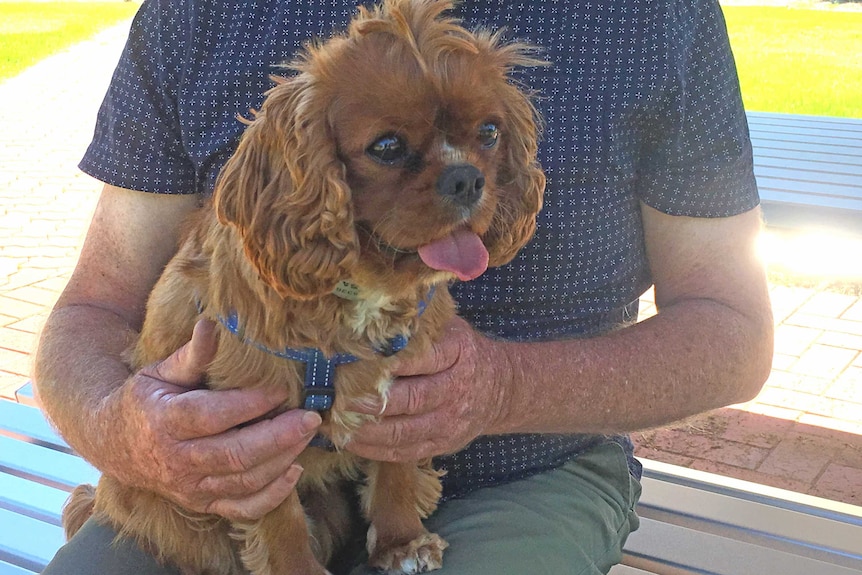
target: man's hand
<point>190,445</point>
<point>440,401</point>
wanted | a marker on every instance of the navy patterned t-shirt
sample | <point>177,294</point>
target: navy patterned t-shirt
<point>641,104</point>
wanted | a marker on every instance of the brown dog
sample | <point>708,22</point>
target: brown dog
<point>398,157</point>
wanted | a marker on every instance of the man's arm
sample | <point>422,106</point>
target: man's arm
<point>98,315</point>
<point>155,429</point>
<point>710,345</point>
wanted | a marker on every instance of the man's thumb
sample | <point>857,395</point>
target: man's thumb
<point>187,366</point>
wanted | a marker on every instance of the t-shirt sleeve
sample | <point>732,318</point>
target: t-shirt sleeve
<point>137,142</point>
<point>698,159</point>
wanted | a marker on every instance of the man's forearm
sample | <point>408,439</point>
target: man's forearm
<point>693,356</point>
<point>79,364</point>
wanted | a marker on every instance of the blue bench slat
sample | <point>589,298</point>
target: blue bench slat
<point>9,569</point>
<point>779,189</point>
<point>787,142</point>
<point>846,183</point>
<point>26,394</point>
<point>768,119</point>
<point>32,499</point>
<point>810,161</point>
<point>27,542</point>
<point>704,523</point>
<point>784,213</point>
<point>45,466</point>
<point>792,527</point>
<point>28,424</point>
<point>830,154</point>
<point>619,570</point>
<point>668,548</point>
<point>808,170</point>
<point>779,121</point>
<point>808,125</point>
<point>825,212</point>
<point>821,135</point>
<point>809,133</point>
<point>780,194</point>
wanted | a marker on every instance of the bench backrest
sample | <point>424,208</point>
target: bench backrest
<point>809,170</point>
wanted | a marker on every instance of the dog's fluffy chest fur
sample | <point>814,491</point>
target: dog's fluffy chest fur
<point>359,325</point>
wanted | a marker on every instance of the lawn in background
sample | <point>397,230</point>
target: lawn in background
<point>30,31</point>
<point>798,61</point>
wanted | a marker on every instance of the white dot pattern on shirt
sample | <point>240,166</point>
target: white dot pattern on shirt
<point>641,103</point>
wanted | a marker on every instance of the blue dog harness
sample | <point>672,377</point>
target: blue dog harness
<point>319,385</point>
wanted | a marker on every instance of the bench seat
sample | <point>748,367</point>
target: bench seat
<point>37,472</point>
<point>692,522</point>
<point>695,522</point>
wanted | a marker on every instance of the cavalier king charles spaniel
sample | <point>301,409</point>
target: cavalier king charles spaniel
<point>397,157</point>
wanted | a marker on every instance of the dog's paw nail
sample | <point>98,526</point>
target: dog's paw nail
<point>423,554</point>
<point>410,566</point>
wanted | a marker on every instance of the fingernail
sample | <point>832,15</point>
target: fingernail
<point>294,472</point>
<point>310,421</point>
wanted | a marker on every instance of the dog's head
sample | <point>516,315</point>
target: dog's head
<point>401,150</point>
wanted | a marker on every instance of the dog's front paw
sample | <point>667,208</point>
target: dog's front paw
<point>423,554</point>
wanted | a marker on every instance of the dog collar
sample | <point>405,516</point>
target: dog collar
<point>319,385</point>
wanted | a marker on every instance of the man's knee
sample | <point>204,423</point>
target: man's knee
<point>94,551</point>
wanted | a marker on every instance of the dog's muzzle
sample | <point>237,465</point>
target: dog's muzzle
<point>462,184</point>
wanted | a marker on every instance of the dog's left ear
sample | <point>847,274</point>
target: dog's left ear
<point>285,193</point>
<point>521,179</point>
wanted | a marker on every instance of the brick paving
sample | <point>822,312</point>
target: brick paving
<point>803,432</point>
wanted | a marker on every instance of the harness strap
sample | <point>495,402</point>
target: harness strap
<point>319,384</point>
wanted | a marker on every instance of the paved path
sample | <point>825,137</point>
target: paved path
<point>47,114</point>
<point>804,431</point>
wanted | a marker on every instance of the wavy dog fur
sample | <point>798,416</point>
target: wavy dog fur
<point>301,206</point>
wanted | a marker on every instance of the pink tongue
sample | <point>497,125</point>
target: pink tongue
<point>461,253</point>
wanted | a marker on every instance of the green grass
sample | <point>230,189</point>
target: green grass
<point>30,31</point>
<point>798,61</point>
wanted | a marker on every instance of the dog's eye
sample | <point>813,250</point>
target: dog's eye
<point>387,149</point>
<point>488,135</point>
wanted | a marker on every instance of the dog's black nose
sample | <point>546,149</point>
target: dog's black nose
<point>461,183</point>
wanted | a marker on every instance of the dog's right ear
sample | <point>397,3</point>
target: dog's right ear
<point>285,193</point>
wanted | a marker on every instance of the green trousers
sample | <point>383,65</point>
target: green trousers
<point>570,521</point>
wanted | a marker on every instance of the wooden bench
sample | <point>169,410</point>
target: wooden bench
<point>809,170</point>
<point>692,522</point>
